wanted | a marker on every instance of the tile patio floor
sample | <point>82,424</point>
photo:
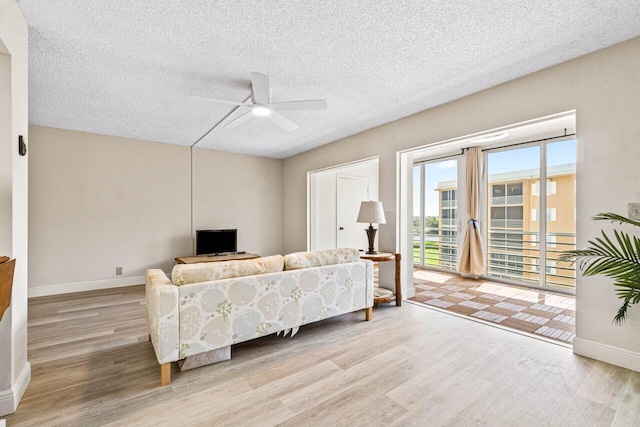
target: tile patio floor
<point>537,312</point>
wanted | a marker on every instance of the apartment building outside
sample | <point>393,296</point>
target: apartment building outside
<point>513,214</point>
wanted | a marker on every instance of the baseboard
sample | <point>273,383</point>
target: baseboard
<point>9,399</point>
<point>67,288</point>
<point>607,353</point>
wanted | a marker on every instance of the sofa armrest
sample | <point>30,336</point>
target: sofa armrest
<point>162,315</point>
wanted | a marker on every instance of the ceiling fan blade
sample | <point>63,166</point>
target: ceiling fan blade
<point>311,104</point>
<point>282,121</point>
<point>239,120</point>
<point>221,101</point>
<point>260,89</point>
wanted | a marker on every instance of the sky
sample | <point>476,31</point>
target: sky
<point>558,153</point>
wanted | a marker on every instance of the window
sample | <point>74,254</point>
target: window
<point>449,217</point>
<point>551,267</point>
<point>506,240</point>
<point>514,189</point>
<point>506,216</point>
<point>448,198</point>
<point>507,193</point>
<point>514,212</point>
<point>498,213</point>
<point>551,214</point>
<point>552,187</point>
<point>435,214</point>
<point>448,195</point>
<point>515,246</point>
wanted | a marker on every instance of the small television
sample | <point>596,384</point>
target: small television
<point>216,241</point>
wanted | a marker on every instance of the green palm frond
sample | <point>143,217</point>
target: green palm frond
<point>618,259</point>
<point>615,218</point>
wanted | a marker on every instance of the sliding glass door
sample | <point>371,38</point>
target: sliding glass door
<point>523,245</point>
<point>512,238</point>
<point>435,214</point>
<point>560,212</point>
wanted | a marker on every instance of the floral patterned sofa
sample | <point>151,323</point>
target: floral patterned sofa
<point>210,306</point>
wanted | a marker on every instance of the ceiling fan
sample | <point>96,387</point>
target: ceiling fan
<point>260,105</point>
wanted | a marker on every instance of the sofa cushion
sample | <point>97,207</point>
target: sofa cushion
<point>183,274</point>
<point>300,260</point>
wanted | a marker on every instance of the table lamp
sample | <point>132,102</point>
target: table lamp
<point>371,212</point>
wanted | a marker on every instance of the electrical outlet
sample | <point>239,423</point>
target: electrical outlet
<point>634,211</point>
<point>118,271</point>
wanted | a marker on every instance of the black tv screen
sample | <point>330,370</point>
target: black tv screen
<point>216,241</point>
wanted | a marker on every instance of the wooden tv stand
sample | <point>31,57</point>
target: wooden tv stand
<point>214,258</point>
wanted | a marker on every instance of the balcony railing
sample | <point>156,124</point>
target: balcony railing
<point>447,222</point>
<point>516,259</point>
<point>507,200</point>
<point>448,203</point>
<point>514,255</point>
<point>440,248</point>
<point>507,223</point>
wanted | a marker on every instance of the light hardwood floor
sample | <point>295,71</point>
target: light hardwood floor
<point>92,365</point>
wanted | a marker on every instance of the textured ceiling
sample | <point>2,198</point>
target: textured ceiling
<point>127,67</point>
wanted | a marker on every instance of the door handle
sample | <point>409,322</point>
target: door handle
<point>341,228</point>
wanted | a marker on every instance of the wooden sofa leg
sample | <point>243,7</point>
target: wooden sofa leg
<point>165,374</point>
<point>368,313</point>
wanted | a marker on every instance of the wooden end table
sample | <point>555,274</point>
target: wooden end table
<point>214,258</point>
<point>380,294</point>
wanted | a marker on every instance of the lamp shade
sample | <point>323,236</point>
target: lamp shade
<point>371,212</point>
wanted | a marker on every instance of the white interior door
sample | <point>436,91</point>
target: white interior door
<point>350,192</point>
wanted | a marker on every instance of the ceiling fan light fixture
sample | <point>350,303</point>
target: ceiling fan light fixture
<point>261,110</point>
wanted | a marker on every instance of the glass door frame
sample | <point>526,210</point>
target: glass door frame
<point>458,157</point>
<point>542,254</point>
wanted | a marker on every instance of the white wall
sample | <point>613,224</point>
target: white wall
<point>239,191</point>
<point>602,87</point>
<point>100,202</point>
<point>6,160</point>
<point>6,214</point>
<point>14,374</point>
<point>323,201</point>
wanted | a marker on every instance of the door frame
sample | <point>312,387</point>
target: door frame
<point>374,159</point>
<point>542,254</point>
<point>459,158</point>
<point>404,187</point>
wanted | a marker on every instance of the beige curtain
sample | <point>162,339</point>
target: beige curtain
<point>472,259</point>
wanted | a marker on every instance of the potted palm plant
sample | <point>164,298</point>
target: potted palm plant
<point>617,258</point>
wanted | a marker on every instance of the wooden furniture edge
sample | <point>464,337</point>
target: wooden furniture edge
<point>214,258</point>
<point>165,374</point>
<point>383,257</point>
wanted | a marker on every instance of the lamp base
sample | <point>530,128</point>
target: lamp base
<point>371,235</point>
